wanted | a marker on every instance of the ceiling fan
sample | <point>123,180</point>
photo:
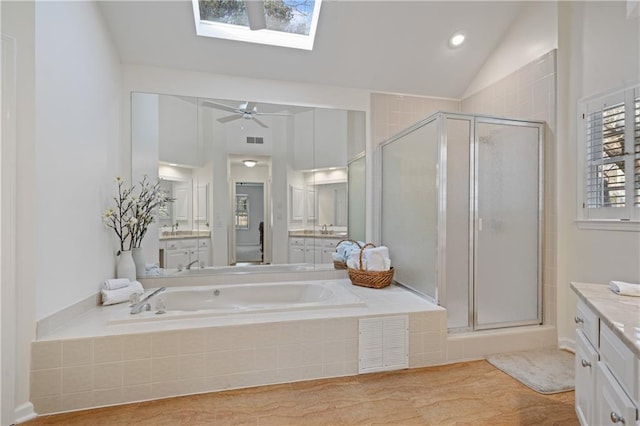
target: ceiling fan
<point>246,110</point>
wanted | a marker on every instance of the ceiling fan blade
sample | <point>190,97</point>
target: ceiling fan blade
<point>282,114</point>
<point>260,123</point>
<point>229,118</point>
<point>221,106</point>
<point>250,106</point>
<point>255,13</point>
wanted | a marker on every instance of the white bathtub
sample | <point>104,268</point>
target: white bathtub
<point>217,300</point>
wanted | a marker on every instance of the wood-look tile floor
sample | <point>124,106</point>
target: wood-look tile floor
<point>468,393</point>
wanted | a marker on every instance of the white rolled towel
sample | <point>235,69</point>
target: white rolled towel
<point>377,258</point>
<point>119,295</point>
<point>625,289</point>
<point>115,283</point>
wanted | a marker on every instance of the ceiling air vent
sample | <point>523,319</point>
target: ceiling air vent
<point>255,140</point>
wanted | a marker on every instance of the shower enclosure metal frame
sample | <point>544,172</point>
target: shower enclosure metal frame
<point>439,294</point>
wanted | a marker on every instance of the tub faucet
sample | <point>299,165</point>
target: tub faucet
<point>192,263</point>
<point>144,305</point>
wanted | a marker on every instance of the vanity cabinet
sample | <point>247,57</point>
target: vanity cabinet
<point>311,250</point>
<point>181,252</point>
<point>607,373</point>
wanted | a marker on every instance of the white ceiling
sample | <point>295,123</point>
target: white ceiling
<point>387,46</point>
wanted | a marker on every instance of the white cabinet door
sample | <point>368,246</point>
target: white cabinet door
<point>586,360</point>
<point>613,406</point>
<point>296,254</point>
<point>177,257</point>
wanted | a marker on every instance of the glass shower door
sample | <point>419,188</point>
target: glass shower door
<point>507,274</point>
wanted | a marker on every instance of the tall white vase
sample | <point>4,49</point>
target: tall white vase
<point>138,259</point>
<point>125,267</point>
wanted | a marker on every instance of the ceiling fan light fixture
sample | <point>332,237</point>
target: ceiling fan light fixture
<point>249,163</point>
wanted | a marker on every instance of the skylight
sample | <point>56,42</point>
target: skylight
<point>287,23</point>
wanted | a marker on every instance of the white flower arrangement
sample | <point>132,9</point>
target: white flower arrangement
<point>134,211</point>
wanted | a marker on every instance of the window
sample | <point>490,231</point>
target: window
<point>610,129</point>
<point>287,23</point>
<point>242,211</point>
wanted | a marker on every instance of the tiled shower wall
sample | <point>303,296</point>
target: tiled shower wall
<point>75,374</point>
<point>529,93</point>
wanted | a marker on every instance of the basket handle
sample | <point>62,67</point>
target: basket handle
<point>362,251</point>
<point>352,241</point>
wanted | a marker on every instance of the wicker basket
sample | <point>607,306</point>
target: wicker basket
<point>371,279</point>
<point>337,264</point>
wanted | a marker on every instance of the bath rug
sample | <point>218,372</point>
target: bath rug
<point>545,371</point>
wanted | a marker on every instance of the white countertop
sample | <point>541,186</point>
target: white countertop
<point>620,313</point>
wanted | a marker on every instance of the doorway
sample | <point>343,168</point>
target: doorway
<point>249,223</point>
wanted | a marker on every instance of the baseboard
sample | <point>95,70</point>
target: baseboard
<point>24,413</point>
<point>567,344</point>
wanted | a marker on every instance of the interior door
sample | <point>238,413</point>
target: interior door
<point>507,273</point>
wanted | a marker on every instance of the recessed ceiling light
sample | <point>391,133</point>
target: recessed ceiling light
<point>249,163</point>
<point>456,39</point>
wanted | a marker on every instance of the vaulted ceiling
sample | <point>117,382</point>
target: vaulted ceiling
<point>387,46</point>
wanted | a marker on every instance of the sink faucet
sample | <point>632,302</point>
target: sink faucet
<point>189,265</point>
<point>324,230</point>
<point>144,305</point>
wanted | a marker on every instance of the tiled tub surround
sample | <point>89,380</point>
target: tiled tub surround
<point>92,364</point>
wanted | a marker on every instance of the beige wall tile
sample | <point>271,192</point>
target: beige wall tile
<point>289,356</point>
<point>218,363</point>
<point>310,353</point>
<point>47,404</point>
<point>165,389</point>
<point>46,355</point>
<point>192,366</point>
<point>165,369</point>
<point>165,344</point>
<point>108,349</point>
<point>242,360</point>
<point>77,352</point>
<point>77,379</point>
<point>192,341</point>
<point>108,397</point>
<point>107,376</point>
<point>136,393</point>
<point>266,358</point>
<point>218,339</point>
<point>136,372</point>
<point>137,346</point>
<point>76,401</point>
<point>46,383</point>
<point>265,335</point>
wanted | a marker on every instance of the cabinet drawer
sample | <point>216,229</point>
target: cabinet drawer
<point>330,243</point>
<point>172,245</point>
<point>613,406</point>
<point>296,241</point>
<point>587,321</point>
<point>203,243</point>
<point>621,361</point>
<point>189,243</point>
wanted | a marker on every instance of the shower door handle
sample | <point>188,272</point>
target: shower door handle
<point>479,224</point>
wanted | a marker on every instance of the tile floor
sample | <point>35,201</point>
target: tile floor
<point>471,393</point>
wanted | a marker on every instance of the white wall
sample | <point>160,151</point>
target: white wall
<point>77,152</point>
<point>589,32</point>
<point>531,35</point>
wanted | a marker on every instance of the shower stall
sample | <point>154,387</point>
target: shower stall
<point>462,211</point>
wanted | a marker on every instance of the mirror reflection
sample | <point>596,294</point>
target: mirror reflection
<point>257,186</point>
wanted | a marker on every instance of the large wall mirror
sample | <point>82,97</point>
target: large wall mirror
<point>258,186</point>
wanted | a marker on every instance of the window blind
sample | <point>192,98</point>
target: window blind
<point>636,150</point>
<point>605,180</point>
